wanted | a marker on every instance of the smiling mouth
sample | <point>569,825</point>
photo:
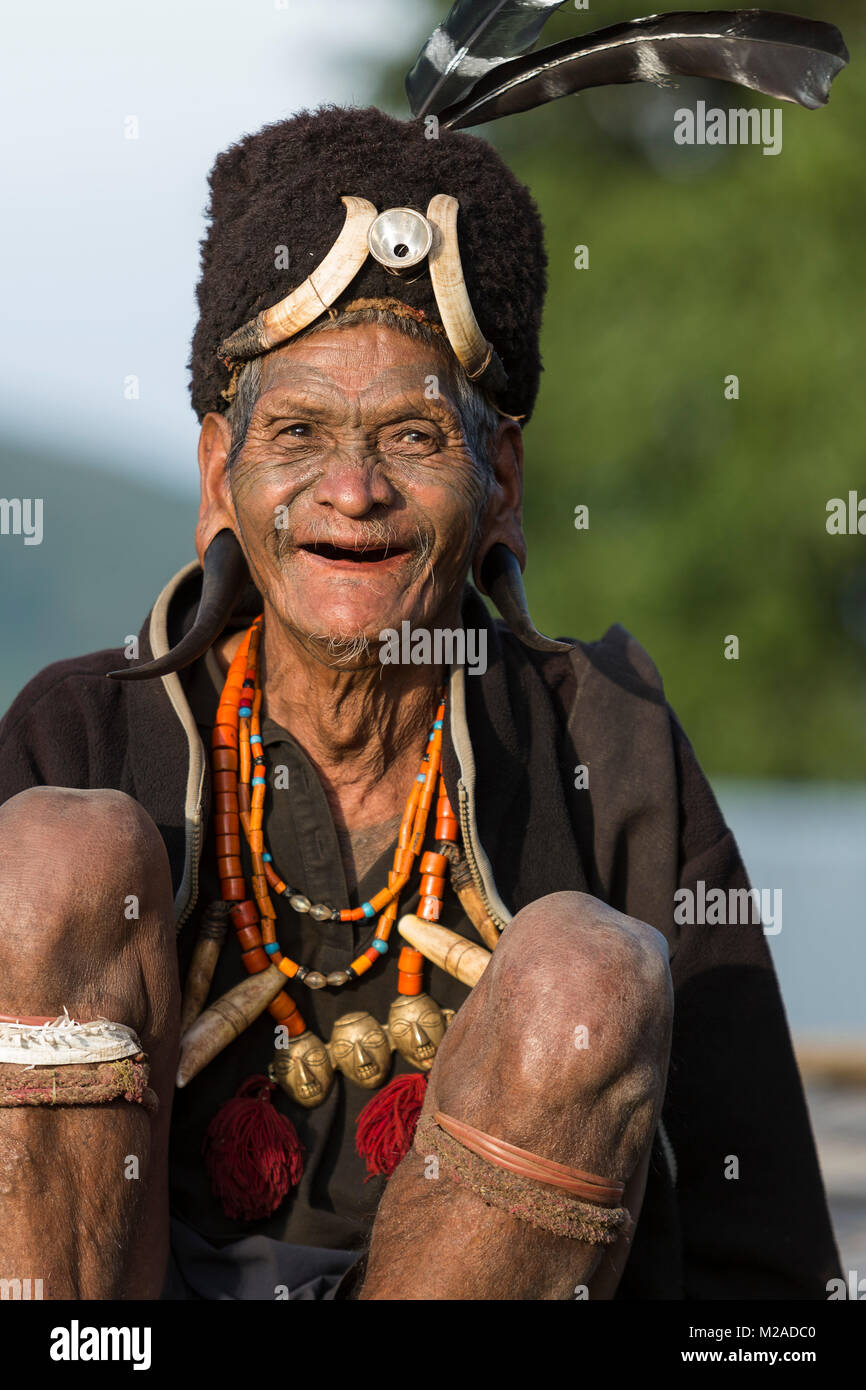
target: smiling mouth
<point>355,555</point>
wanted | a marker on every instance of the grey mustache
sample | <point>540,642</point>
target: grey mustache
<point>372,535</point>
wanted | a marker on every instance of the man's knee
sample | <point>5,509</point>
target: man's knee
<point>571,1018</point>
<point>85,893</point>
<point>69,851</point>
<point>574,975</point>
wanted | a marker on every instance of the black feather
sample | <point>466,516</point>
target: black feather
<point>781,55</point>
<point>475,36</point>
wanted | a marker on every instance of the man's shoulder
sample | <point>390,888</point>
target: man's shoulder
<point>618,657</point>
<point>66,685</point>
<point>613,670</point>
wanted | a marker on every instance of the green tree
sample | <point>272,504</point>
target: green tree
<point>706,515</point>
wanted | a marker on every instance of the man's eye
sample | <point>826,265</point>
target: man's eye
<point>297,430</point>
<point>415,436</point>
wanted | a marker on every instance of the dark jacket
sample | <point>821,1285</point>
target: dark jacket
<point>647,825</point>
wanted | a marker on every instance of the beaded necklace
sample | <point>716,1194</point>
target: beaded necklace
<point>252,1152</point>
<point>239,798</point>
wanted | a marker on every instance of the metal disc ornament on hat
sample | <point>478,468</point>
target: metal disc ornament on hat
<point>399,238</point>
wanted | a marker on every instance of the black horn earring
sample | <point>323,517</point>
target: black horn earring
<point>501,578</point>
<point>225,577</point>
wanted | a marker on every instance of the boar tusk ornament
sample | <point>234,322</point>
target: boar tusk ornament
<point>398,238</point>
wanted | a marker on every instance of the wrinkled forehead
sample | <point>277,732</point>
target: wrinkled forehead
<point>361,363</point>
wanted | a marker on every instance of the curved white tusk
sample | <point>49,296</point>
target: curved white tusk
<point>224,1020</point>
<point>317,293</point>
<point>472,350</point>
<point>461,958</point>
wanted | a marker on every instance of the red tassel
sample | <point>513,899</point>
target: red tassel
<point>252,1153</point>
<point>386,1125</point>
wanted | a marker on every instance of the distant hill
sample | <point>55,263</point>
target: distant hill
<point>109,545</point>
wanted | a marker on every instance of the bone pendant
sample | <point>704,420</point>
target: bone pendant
<point>470,901</point>
<point>461,958</point>
<point>225,1020</point>
<point>212,934</point>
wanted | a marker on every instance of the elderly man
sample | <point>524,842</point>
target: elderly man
<point>614,1108</point>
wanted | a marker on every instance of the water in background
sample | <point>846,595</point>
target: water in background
<point>809,839</point>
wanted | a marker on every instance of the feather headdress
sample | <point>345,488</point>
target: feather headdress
<point>475,66</point>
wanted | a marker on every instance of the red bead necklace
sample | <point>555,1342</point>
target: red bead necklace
<point>239,798</point>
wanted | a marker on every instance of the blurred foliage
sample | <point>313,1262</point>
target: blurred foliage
<point>707,516</point>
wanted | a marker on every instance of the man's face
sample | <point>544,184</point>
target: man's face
<point>355,493</point>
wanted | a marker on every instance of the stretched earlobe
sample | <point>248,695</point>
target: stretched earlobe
<point>225,577</point>
<point>502,580</point>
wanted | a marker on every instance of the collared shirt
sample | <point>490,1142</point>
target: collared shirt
<point>335,1203</point>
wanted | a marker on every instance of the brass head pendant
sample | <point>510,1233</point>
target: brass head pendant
<point>360,1047</point>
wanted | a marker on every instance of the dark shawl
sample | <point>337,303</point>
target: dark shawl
<point>647,824</point>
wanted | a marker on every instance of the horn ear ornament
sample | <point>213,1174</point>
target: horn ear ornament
<point>225,577</point>
<point>477,357</point>
<point>502,580</point>
<point>318,292</point>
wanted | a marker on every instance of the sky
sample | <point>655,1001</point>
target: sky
<point>112,115</point>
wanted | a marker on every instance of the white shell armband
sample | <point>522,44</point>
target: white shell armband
<point>63,1041</point>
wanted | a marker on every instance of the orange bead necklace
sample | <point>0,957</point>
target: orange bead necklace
<point>239,799</point>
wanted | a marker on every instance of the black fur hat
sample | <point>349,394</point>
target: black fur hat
<point>281,188</point>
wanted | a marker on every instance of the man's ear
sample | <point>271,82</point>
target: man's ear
<point>503,515</point>
<point>216,510</point>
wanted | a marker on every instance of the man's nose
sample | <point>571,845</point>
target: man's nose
<point>353,484</point>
